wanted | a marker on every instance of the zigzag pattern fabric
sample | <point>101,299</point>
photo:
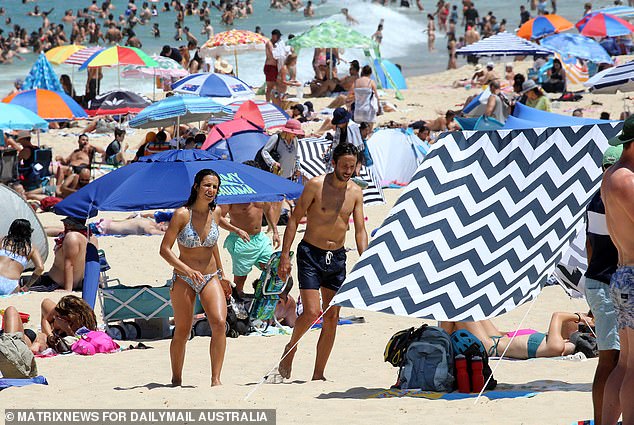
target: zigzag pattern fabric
<point>312,150</point>
<point>481,225</point>
<point>573,265</point>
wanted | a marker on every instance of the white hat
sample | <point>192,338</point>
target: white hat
<point>222,66</point>
<point>490,65</point>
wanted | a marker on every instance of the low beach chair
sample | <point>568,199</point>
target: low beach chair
<point>267,294</point>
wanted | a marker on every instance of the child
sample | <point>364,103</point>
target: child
<point>155,30</point>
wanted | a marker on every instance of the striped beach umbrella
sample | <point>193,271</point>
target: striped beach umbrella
<point>259,112</point>
<point>606,25</point>
<point>50,105</point>
<point>177,108</point>
<point>119,55</point>
<point>59,54</point>
<point>167,68</point>
<point>502,44</point>
<point>81,56</point>
<point>611,80</point>
<point>542,26</point>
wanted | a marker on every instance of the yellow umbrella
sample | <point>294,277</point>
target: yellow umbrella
<point>59,54</point>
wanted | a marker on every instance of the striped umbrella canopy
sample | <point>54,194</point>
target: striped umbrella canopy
<point>259,112</point>
<point>233,41</point>
<point>578,46</point>
<point>59,54</point>
<point>47,104</point>
<point>42,76</point>
<point>167,68</point>
<point>332,34</point>
<point>183,109</point>
<point>81,56</point>
<point>15,117</point>
<point>502,44</point>
<point>223,88</point>
<point>119,55</point>
<point>542,26</point>
<point>606,25</point>
<point>611,80</point>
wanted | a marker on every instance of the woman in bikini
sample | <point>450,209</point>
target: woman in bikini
<point>15,253</point>
<point>198,271</point>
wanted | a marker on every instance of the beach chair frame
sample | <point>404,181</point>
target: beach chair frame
<point>267,294</point>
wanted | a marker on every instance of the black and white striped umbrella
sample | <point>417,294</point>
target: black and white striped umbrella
<point>611,80</point>
<point>503,44</point>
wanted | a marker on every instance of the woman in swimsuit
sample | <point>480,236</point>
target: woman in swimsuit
<point>198,271</point>
<point>15,253</point>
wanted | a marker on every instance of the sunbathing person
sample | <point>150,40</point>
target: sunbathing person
<point>16,250</point>
<point>528,343</point>
<point>443,123</point>
<point>129,226</point>
<point>16,359</point>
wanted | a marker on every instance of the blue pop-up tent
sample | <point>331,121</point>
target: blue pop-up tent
<point>547,119</point>
<point>396,80</point>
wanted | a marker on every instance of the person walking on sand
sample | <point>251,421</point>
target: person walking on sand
<point>328,201</point>
<point>197,271</point>
<point>270,64</point>
<point>431,32</point>
<point>617,192</point>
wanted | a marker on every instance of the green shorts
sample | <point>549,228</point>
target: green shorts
<point>16,359</point>
<point>245,255</point>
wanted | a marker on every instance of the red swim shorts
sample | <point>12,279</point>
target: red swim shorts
<point>270,72</point>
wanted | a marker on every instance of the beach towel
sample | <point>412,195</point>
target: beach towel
<point>365,105</point>
<point>432,395</point>
<point>8,383</point>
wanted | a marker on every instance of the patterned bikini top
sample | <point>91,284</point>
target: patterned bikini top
<point>190,239</point>
<point>21,259</point>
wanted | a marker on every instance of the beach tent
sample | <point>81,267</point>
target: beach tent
<point>12,206</point>
<point>396,154</point>
<point>388,74</point>
<point>42,76</point>
<point>548,119</point>
<point>481,225</point>
<point>478,123</point>
<point>503,44</point>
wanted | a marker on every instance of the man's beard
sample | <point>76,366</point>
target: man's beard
<point>340,177</point>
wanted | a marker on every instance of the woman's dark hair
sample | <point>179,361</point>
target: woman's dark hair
<point>366,71</point>
<point>77,312</point>
<point>197,180</point>
<point>343,149</point>
<point>18,240</point>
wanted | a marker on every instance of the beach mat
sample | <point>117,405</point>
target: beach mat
<point>342,321</point>
<point>8,383</point>
<point>432,395</point>
<point>591,422</point>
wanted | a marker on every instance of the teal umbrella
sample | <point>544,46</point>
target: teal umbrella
<point>332,34</point>
<point>42,76</point>
<point>15,117</point>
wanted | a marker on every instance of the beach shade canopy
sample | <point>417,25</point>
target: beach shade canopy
<point>59,54</point>
<point>15,117</point>
<point>12,206</point>
<point>611,80</point>
<point>183,109</point>
<point>606,25</point>
<point>578,46</point>
<point>233,41</point>
<point>542,26</point>
<point>624,12</point>
<point>166,68</point>
<point>481,122</point>
<point>332,34</point>
<point>221,87</point>
<point>42,76</point>
<point>164,180</point>
<point>81,56</point>
<point>502,44</point>
<point>395,80</point>
<point>241,146</point>
<point>227,129</point>
<point>259,112</point>
<point>47,104</point>
<point>117,102</point>
<point>119,55</point>
<point>482,225</point>
<point>548,119</point>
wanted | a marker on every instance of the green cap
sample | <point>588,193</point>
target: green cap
<point>612,154</point>
<point>627,134</point>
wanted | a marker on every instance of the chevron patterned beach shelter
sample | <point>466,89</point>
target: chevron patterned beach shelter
<point>481,225</point>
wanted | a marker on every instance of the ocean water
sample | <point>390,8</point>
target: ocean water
<point>404,39</point>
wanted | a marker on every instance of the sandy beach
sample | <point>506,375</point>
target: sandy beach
<point>356,371</point>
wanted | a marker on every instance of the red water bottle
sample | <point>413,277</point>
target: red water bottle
<point>462,376</point>
<point>477,377</point>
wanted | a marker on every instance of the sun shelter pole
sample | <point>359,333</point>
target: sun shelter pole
<point>330,65</point>
<point>154,85</point>
<point>38,137</point>
<point>235,56</point>
<point>118,76</point>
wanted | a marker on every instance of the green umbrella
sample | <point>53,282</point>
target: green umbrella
<point>332,34</point>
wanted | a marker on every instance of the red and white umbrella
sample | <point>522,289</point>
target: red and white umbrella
<point>261,113</point>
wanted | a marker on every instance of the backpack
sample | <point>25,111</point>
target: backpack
<point>465,343</point>
<point>274,154</point>
<point>427,363</point>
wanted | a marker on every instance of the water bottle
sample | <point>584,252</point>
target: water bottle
<point>477,377</point>
<point>462,376</point>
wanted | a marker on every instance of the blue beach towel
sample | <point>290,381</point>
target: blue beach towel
<point>7,383</point>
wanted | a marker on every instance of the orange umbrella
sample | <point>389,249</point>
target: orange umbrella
<point>543,25</point>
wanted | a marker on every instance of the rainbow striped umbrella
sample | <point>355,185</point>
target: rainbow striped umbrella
<point>542,26</point>
<point>119,55</point>
<point>59,54</point>
<point>50,105</point>
<point>605,25</point>
<point>233,41</point>
<point>81,56</point>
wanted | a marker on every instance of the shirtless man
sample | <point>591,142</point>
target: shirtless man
<point>617,192</point>
<point>80,157</point>
<point>443,123</point>
<point>328,201</point>
<point>270,64</point>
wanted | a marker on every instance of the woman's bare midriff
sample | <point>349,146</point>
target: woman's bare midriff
<point>199,259</point>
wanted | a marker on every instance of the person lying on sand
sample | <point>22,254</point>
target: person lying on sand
<point>527,343</point>
<point>443,123</point>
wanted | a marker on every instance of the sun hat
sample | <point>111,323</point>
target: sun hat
<point>528,85</point>
<point>509,65</point>
<point>478,68</point>
<point>23,134</point>
<point>340,116</point>
<point>627,133</point>
<point>222,66</point>
<point>611,155</point>
<point>490,65</point>
<point>75,223</point>
<point>293,127</point>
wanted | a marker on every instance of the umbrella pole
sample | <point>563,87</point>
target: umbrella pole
<point>38,137</point>
<point>118,77</point>
<point>154,86</point>
<point>235,56</point>
<point>330,65</point>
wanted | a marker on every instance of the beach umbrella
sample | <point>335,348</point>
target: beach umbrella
<point>611,80</point>
<point>332,34</point>
<point>241,146</point>
<point>164,180</point>
<point>223,88</point>
<point>47,104</point>
<point>119,55</point>
<point>606,25</point>
<point>177,109</point>
<point>81,56</point>
<point>259,112</point>
<point>117,102</point>
<point>15,117</point>
<point>578,46</point>
<point>42,76</point>
<point>233,41</point>
<point>227,129</point>
<point>166,68</point>
<point>542,26</point>
<point>59,54</point>
<point>502,44</point>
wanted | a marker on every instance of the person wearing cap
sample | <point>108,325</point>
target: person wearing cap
<point>602,262</point>
<point>617,193</point>
<point>489,75</point>
<point>346,130</point>
<point>284,146</point>
<point>270,64</point>
<point>535,97</point>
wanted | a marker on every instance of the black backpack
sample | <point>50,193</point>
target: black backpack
<point>465,343</point>
<point>274,154</point>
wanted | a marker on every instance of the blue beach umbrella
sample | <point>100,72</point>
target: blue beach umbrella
<point>578,46</point>
<point>15,117</point>
<point>382,66</point>
<point>239,147</point>
<point>182,108</point>
<point>42,76</point>
<point>220,86</point>
<point>164,180</point>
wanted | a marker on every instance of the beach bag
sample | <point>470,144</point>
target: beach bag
<point>274,154</point>
<point>586,343</point>
<point>465,343</point>
<point>94,342</point>
<point>397,345</point>
<point>428,362</point>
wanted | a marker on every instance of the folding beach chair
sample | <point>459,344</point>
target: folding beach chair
<point>267,294</point>
<point>8,165</point>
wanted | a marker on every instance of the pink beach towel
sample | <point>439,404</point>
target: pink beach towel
<point>95,342</point>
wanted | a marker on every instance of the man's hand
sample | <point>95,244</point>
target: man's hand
<point>284,269</point>
<point>276,240</point>
<point>243,235</point>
